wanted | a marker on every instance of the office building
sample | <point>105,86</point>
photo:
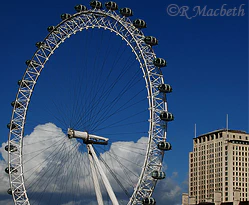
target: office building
<point>219,168</point>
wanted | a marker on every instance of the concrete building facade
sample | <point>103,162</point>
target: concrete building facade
<point>219,167</point>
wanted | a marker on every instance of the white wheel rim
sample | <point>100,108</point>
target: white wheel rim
<point>123,27</point>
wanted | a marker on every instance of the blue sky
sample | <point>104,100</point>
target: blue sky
<point>207,64</point>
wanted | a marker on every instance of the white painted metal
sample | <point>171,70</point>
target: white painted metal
<point>95,179</point>
<point>104,178</point>
<point>122,26</point>
<point>85,136</point>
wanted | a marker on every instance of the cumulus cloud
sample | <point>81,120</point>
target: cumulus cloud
<point>73,203</point>
<point>6,202</point>
<point>169,191</point>
<point>55,164</point>
<point>51,160</point>
<point>4,185</point>
<point>4,179</point>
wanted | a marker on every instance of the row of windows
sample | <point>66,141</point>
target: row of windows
<point>240,174</point>
<point>241,179</point>
<point>202,161</point>
<point>210,164</point>
<point>240,153</point>
<point>208,138</point>
<point>240,164</point>
<point>210,146</point>
<point>242,169</point>
<point>209,154</point>
<point>216,136</point>
<point>218,160</point>
<point>243,148</point>
<point>240,137</point>
<point>206,186</point>
<point>218,178</point>
<point>208,169</point>
<point>238,181</point>
<point>243,159</point>
<point>204,172</point>
<point>202,197</point>
<point>240,142</point>
<point>218,146</point>
<point>243,190</point>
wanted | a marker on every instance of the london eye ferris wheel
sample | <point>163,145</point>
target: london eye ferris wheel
<point>94,131</point>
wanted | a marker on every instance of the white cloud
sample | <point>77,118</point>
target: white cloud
<point>7,201</point>
<point>52,149</point>
<point>4,184</point>
<point>73,203</point>
<point>128,162</point>
<point>169,191</point>
<point>4,178</point>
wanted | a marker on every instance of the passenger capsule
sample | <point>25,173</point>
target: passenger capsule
<point>51,28</point>
<point>80,8</point>
<point>126,12</point>
<point>139,23</point>
<point>23,83</point>
<point>9,191</point>
<point>12,126</point>
<point>16,104</point>
<point>12,169</point>
<point>148,201</point>
<point>150,40</point>
<point>166,116</point>
<point>96,4</point>
<point>158,175</point>
<point>165,88</point>
<point>12,148</point>
<point>159,62</point>
<point>31,63</point>
<point>164,146</point>
<point>16,192</point>
<point>65,16</point>
<point>40,44</point>
<point>111,5</point>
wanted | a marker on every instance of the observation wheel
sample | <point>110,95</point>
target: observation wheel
<point>95,127</point>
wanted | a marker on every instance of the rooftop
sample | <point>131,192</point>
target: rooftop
<point>223,130</point>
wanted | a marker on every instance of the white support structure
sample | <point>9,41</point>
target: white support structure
<point>134,37</point>
<point>86,137</point>
<point>104,178</point>
<point>95,179</point>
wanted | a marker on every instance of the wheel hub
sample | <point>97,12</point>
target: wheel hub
<point>86,137</point>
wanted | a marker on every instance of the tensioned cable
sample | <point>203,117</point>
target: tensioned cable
<point>132,162</point>
<point>113,175</point>
<point>108,108</point>
<point>91,102</point>
<point>24,162</point>
<point>103,89</point>
<point>52,158</point>
<point>72,159</point>
<point>70,156</point>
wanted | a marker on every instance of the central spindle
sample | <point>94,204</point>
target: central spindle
<point>86,137</point>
